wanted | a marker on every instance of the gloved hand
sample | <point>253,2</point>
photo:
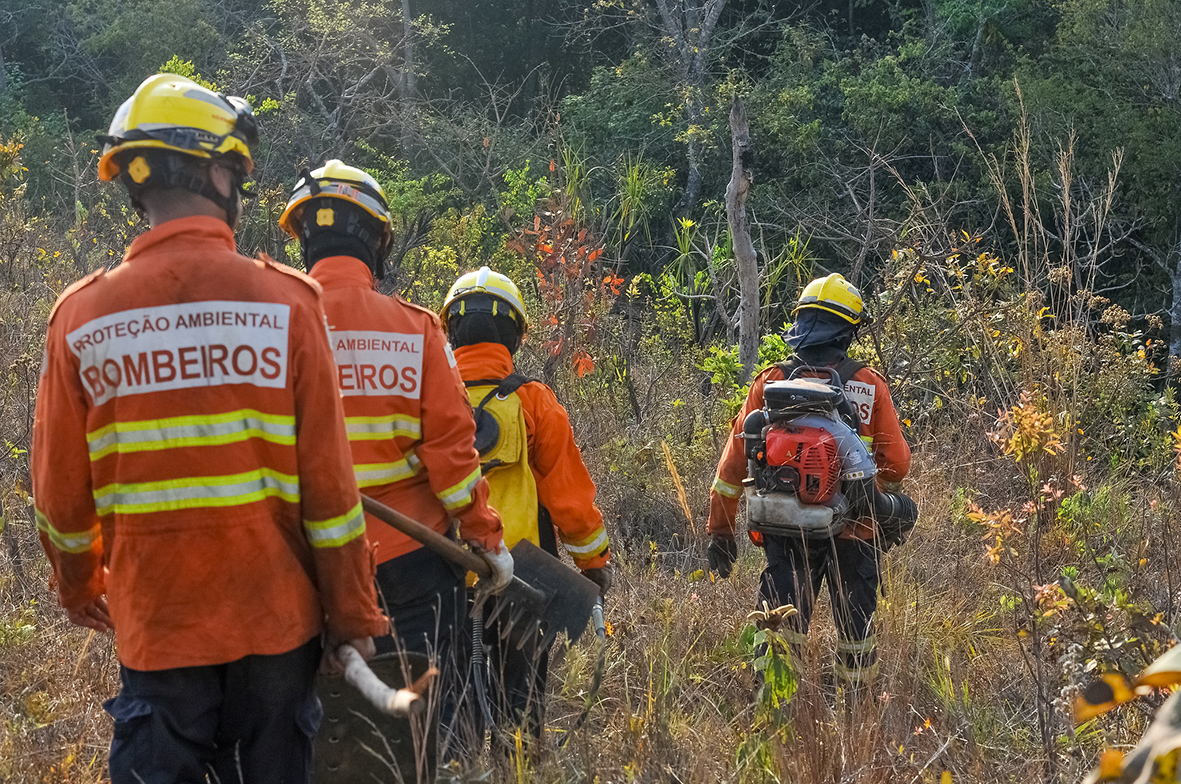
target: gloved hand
<point>501,564</point>
<point>330,663</point>
<point>603,577</point>
<point>723,552</point>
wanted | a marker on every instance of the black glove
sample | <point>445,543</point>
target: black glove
<point>603,577</point>
<point>723,552</point>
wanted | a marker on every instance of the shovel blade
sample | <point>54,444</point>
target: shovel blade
<point>569,597</point>
<point>359,743</point>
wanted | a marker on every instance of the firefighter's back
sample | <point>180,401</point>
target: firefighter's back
<point>185,351</point>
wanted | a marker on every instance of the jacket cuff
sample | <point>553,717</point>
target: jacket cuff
<point>585,549</point>
<point>487,542</point>
<point>594,561</point>
<point>345,629</point>
<point>723,527</point>
<point>76,594</point>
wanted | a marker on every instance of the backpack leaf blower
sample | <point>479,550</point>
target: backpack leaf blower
<point>809,472</point>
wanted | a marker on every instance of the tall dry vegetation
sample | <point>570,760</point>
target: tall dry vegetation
<point>1044,467</point>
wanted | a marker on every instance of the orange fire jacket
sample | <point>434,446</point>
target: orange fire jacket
<point>409,422</point>
<point>868,391</point>
<point>189,438</point>
<point>564,486</point>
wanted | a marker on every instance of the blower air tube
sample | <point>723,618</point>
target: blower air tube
<point>752,431</point>
<point>895,513</point>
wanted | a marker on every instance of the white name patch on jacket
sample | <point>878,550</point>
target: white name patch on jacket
<point>861,395</point>
<point>194,344</point>
<point>378,363</point>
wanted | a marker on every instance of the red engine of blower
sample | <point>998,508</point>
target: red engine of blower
<point>804,461</point>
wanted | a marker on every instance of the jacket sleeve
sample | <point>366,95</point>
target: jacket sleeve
<point>330,503</point>
<point>890,450</point>
<point>564,486</point>
<point>448,448</point>
<point>67,523</point>
<point>727,486</point>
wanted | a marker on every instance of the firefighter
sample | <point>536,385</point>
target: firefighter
<point>830,312</point>
<point>539,483</point>
<point>191,470</point>
<point>406,412</point>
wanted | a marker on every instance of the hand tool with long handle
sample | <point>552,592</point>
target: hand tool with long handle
<point>543,589</point>
<point>435,541</point>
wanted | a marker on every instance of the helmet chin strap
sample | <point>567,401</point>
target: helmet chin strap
<point>168,171</point>
<point>319,245</point>
<point>349,234</point>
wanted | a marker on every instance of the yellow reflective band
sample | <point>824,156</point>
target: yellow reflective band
<point>858,646</point>
<point>373,474</point>
<point>72,542</point>
<point>855,675</point>
<point>203,430</point>
<point>336,531</point>
<point>725,488</point>
<point>593,545</point>
<point>196,492</point>
<point>460,494</point>
<point>381,428</point>
<point>867,440</point>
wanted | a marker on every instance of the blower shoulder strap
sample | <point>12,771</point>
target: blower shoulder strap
<point>788,366</point>
<point>501,387</point>
<point>846,368</point>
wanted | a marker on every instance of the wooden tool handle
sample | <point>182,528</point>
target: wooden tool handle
<point>394,702</point>
<point>427,537</point>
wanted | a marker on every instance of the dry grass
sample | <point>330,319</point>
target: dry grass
<point>677,699</point>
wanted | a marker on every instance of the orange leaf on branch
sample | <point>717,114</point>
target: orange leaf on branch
<point>583,363</point>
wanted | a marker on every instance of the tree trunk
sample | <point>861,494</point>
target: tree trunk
<point>690,26</point>
<point>1175,314</point>
<point>744,248</point>
<point>695,116</point>
<point>408,89</point>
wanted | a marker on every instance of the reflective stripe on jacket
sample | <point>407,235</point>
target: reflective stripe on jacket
<point>189,438</point>
<point>406,411</point>
<point>564,486</point>
<point>880,429</point>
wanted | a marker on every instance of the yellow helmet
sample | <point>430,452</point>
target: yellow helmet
<point>835,295</point>
<point>175,114</point>
<point>338,180</point>
<point>484,281</point>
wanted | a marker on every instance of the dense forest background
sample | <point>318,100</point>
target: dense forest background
<point>1001,178</point>
<point>874,122</point>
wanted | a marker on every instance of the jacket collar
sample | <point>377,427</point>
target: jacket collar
<point>199,229</point>
<point>337,272</point>
<point>483,360</point>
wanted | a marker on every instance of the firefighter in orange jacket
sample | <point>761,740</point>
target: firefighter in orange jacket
<point>829,314</point>
<point>539,482</point>
<point>406,413</point>
<point>191,470</point>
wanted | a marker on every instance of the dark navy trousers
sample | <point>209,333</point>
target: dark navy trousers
<point>250,721</point>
